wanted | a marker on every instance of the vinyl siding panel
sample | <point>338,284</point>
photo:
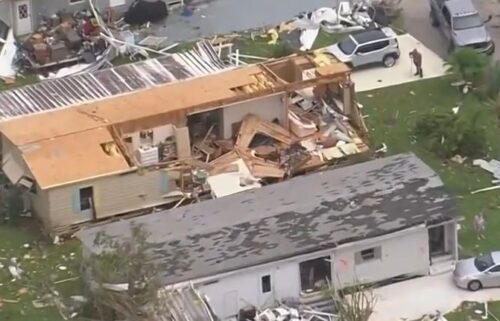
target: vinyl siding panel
<point>112,195</point>
<point>40,205</point>
<point>390,260</point>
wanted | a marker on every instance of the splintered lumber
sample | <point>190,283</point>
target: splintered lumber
<point>252,125</point>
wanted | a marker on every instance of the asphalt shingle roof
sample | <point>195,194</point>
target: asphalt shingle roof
<point>302,215</point>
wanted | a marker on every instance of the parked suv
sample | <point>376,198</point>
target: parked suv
<point>368,47</point>
<point>461,24</point>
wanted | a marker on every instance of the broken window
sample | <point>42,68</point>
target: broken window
<point>374,253</point>
<point>86,195</point>
<point>266,283</point>
<point>315,274</point>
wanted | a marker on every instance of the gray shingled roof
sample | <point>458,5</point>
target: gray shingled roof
<point>302,215</point>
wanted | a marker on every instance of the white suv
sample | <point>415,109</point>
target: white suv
<point>368,47</point>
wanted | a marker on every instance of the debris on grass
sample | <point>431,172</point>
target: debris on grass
<point>458,159</point>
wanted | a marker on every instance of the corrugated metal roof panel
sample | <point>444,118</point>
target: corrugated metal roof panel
<point>82,88</point>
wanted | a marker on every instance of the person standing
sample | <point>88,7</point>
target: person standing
<point>416,58</point>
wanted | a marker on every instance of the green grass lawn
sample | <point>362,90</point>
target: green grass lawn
<point>41,263</point>
<point>392,113</point>
<point>470,311</point>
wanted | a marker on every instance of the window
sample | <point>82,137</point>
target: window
<point>495,269</point>
<point>86,194</point>
<point>366,48</point>
<point>266,283</point>
<point>347,45</point>
<point>315,274</point>
<point>484,262</point>
<point>380,45</point>
<point>374,253</point>
<point>467,22</point>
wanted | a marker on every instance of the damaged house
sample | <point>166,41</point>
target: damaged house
<point>24,16</point>
<point>288,240</point>
<point>176,142</point>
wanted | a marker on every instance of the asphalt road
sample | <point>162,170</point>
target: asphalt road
<point>417,23</point>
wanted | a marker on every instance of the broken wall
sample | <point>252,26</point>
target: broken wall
<point>267,108</point>
<point>112,195</point>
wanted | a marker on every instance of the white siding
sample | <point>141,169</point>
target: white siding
<point>247,285</point>
<point>407,253</point>
<point>267,108</point>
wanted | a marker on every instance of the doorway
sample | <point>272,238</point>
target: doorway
<point>315,274</point>
<point>437,241</point>
<point>22,12</point>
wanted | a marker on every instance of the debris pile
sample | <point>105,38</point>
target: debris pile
<point>62,40</point>
<point>344,18</point>
<point>263,152</point>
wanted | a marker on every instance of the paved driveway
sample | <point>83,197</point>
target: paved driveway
<point>416,17</point>
<point>414,298</point>
<point>402,72</point>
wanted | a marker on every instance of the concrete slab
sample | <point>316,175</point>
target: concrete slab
<point>380,77</point>
<point>414,298</point>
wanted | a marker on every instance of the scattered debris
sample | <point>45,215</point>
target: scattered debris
<point>459,159</point>
<point>455,109</point>
<point>493,166</point>
<point>62,268</point>
<point>486,189</point>
<point>343,18</point>
<point>14,269</point>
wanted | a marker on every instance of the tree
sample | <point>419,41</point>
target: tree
<point>468,66</point>
<point>358,305</point>
<point>124,279</point>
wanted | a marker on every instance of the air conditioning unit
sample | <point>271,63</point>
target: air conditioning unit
<point>147,155</point>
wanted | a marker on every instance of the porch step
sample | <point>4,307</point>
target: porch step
<point>441,267</point>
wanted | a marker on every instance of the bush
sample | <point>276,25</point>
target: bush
<point>467,65</point>
<point>448,135</point>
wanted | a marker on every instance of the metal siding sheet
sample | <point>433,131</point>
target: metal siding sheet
<point>77,89</point>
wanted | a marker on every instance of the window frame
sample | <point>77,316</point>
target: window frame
<point>493,269</point>
<point>367,255</point>
<point>266,283</point>
<point>89,199</point>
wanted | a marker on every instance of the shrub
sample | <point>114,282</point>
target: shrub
<point>448,135</point>
<point>467,65</point>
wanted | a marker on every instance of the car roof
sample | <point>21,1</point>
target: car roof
<point>496,256</point>
<point>368,35</point>
<point>460,7</point>
<point>365,36</point>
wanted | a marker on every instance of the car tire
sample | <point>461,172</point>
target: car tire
<point>389,61</point>
<point>474,285</point>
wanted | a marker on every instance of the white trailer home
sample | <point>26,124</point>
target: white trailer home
<point>370,222</point>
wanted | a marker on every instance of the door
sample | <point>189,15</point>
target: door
<point>362,56</point>
<point>266,290</point>
<point>492,277</point>
<point>437,241</point>
<point>22,11</point>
